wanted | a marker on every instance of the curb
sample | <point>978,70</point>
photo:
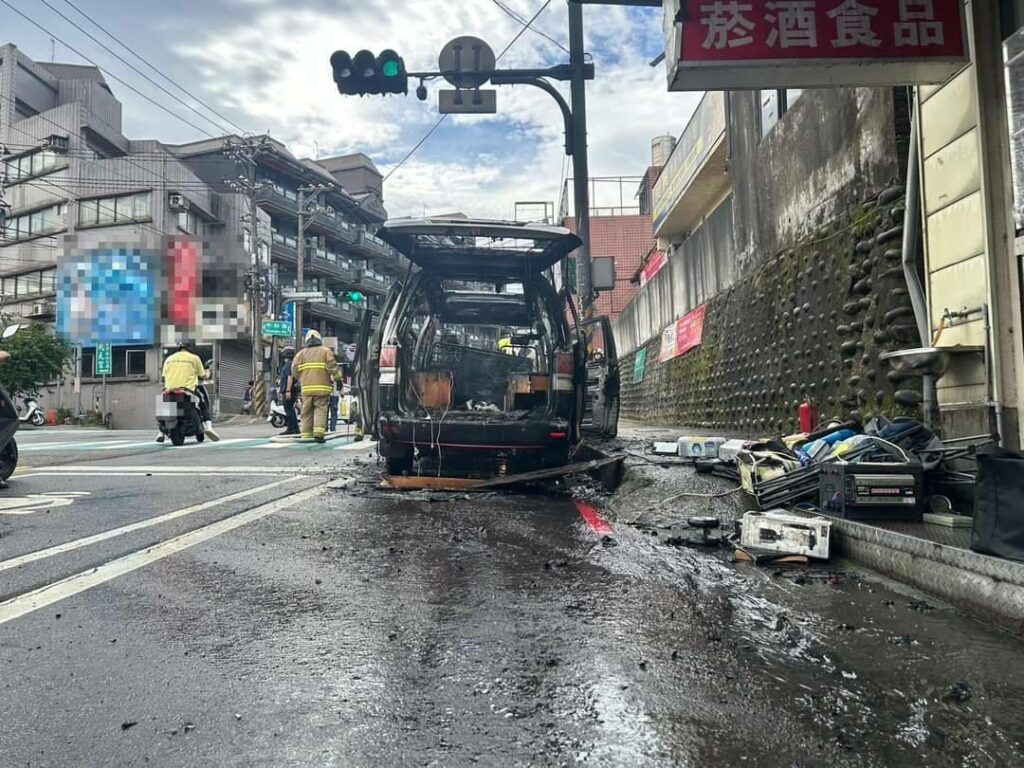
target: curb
<point>991,586</point>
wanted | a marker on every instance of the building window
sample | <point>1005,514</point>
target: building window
<point>35,224</point>
<point>88,363</point>
<point>775,104</point>
<point>135,362</point>
<point>114,210</point>
<point>29,283</point>
<point>192,224</point>
<point>28,166</point>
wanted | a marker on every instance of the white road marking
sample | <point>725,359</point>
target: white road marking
<point>36,502</point>
<point>96,445</point>
<point>80,582</point>
<point>70,546</point>
<point>366,444</point>
<point>161,470</point>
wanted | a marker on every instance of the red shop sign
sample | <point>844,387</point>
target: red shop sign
<point>683,335</point>
<point>723,44</point>
<point>653,266</point>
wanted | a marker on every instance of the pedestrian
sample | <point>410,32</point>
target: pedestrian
<point>247,398</point>
<point>317,370</point>
<point>288,391</point>
<point>332,410</point>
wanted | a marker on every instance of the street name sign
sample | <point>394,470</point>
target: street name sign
<point>104,360</point>
<point>742,44</point>
<point>281,329</point>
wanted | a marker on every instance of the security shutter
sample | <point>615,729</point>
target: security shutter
<point>235,372</point>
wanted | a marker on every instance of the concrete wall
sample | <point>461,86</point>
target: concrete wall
<point>800,269</point>
<point>826,154</point>
<point>811,322</point>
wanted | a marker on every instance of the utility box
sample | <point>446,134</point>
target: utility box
<point>699,447</point>
<point>791,533</point>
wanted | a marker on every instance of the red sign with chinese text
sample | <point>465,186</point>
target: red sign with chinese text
<point>653,266</point>
<point>874,42</point>
<point>684,334</point>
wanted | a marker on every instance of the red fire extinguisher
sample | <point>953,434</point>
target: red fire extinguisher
<point>810,417</point>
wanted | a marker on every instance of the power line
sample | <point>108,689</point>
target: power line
<point>141,58</point>
<point>131,66</point>
<point>109,74</point>
<point>521,20</point>
<point>441,119</point>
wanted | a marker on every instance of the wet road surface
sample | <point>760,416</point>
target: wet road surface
<point>343,625</point>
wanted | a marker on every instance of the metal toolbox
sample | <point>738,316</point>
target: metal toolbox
<point>793,533</point>
<point>873,491</point>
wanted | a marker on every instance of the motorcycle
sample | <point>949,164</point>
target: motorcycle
<point>33,413</point>
<point>9,420</point>
<point>178,415</point>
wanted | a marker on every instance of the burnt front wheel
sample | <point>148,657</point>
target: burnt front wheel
<point>8,459</point>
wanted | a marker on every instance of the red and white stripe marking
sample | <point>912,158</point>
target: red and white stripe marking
<point>593,518</point>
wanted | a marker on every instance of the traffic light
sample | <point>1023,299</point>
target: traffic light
<point>365,73</point>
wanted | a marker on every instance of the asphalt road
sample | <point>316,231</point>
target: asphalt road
<point>251,603</point>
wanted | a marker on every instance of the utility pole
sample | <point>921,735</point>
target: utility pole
<point>580,166</point>
<point>246,154</point>
<point>300,274</point>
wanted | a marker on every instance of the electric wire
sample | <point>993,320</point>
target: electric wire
<point>510,12</point>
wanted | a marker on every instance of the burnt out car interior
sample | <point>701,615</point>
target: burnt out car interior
<point>478,365</point>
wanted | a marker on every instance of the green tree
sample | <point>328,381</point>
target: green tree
<point>37,358</point>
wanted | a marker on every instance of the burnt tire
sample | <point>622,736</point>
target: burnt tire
<point>399,465</point>
<point>8,459</point>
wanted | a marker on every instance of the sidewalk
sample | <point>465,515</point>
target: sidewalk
<point>934,558</point>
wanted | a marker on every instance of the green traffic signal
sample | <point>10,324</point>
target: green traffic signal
<point>364,73</point>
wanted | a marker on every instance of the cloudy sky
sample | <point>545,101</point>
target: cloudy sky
<point>263,64</point>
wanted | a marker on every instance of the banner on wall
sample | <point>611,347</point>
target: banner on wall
<point>683,335</point>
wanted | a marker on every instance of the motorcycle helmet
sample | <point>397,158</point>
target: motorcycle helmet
<point>189,344</point>
<point>287,353</point>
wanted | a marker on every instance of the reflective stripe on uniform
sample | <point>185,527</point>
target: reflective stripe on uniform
<point>312,366</point>
<point>317,389</point>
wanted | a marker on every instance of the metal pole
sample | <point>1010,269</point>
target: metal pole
<point>581,173</point>
<point>259,393</point>
<point>78,380</point>
<point>300,278</point>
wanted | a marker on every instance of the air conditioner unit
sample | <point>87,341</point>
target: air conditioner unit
<point>42,309</point>
<point>178,202</point>
<point>57,143</point>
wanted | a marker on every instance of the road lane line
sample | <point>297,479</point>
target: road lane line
<point>59,549</point>
<point>592,517</point>
<point>80,582</point>
<point>165,469</point>
<point>64,446</point>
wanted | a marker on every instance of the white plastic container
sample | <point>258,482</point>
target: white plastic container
<point>731,449</point>
<point>699,447</point>
<point>793,533</point>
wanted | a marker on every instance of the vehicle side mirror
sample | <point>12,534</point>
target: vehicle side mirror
<point>9,331</point>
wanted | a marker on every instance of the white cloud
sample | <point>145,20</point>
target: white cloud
<point>272,66</point>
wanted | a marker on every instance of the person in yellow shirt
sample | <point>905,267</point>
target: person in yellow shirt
<point>184,370</point>
<point>317,370</point>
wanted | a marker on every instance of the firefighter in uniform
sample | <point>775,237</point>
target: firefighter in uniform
<point>317,370</point>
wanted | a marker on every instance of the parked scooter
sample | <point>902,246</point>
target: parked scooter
<point>33,413</point>
<point>8,421</point>
<point>276,417</point>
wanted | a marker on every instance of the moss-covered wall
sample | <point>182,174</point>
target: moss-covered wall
<point>809,323</point>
